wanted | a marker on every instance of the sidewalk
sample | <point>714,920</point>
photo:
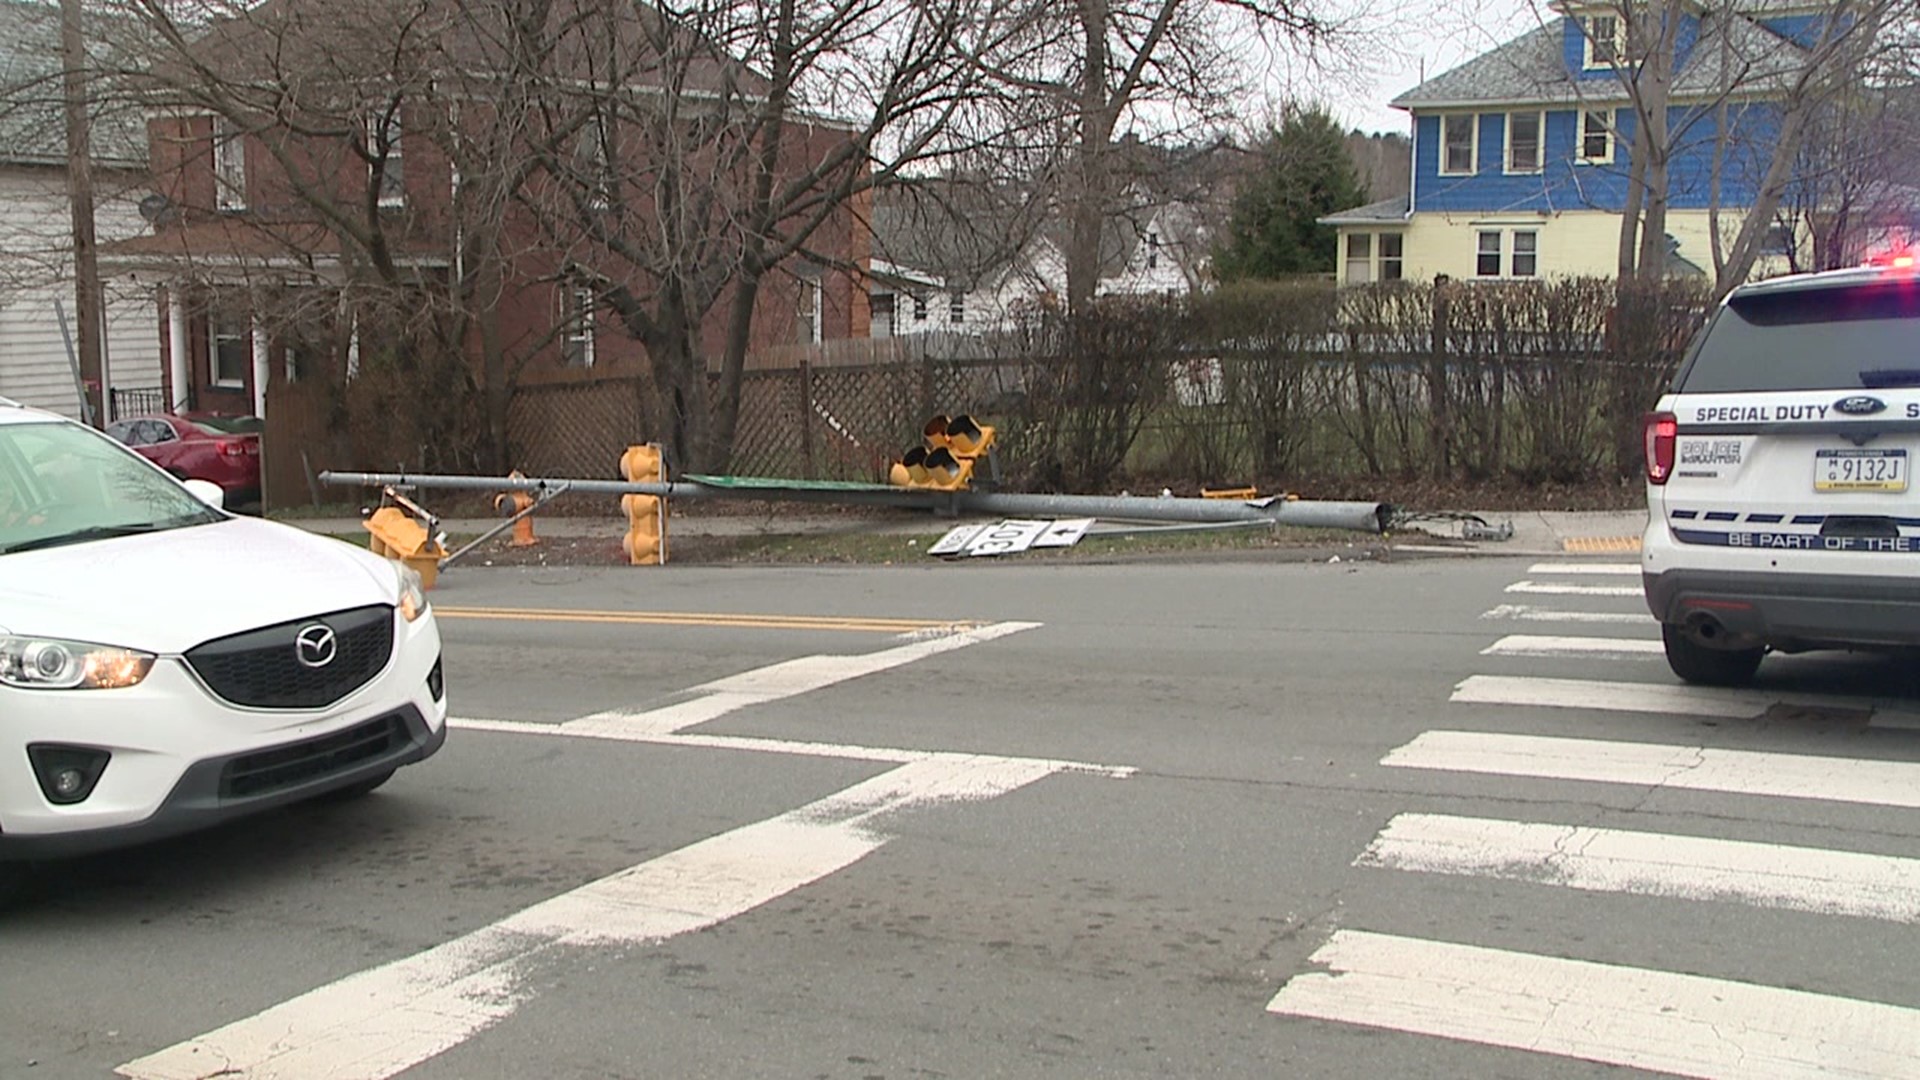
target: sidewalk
<point>1534,532</point>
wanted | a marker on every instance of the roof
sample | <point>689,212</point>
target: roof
<point>32,121</point>
<point>1387,211</point>
<point>958,234</point>
<point>1848,277</point>
<point>1532,69</point>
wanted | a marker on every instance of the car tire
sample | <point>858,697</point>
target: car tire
<point>1705,666</point>
<point>358,788</point>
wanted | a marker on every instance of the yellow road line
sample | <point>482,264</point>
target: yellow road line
<point>717,619</point>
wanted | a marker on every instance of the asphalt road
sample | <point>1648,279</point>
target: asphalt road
<point>1251,818</point>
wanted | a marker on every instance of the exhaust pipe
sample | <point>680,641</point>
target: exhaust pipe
<point>1705,629</point>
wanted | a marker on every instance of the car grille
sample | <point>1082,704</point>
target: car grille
<point>285,766</point>
<point>261,669</point>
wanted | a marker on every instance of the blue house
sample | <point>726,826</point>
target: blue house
<point>1521,155</point>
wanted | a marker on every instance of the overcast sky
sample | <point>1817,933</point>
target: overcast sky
<point>1417,39</point>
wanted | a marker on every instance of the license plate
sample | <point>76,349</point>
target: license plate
<point>1860,470</point>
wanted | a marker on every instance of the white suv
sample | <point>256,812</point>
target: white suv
<point>166,666</point>
<point>1779,475</point>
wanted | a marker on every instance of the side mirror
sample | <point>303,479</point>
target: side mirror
<point>207,492</point>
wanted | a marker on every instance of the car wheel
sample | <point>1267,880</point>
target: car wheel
<point>358,787</point>
<point>1697,663</point>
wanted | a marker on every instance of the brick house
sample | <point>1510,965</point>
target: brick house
<point>259,255</point>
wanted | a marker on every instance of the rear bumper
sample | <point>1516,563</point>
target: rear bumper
<point>1789,610</point>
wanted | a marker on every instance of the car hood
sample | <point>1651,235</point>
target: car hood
<point>166,592</point>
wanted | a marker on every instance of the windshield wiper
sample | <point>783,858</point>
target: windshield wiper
<point>1890,378</point>
<point>81,536</point>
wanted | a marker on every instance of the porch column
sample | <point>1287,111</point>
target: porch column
<point>177,366</point>
<point>353,349</point>
<point>260,370</point>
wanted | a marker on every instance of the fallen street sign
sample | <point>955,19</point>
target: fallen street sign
<point>1063,533</point>
<point>1007,538</point>
<point>956,540</point>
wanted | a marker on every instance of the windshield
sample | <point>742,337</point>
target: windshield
<point>62,483</point>
<point>1826,339</point>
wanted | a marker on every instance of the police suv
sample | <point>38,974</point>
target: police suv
<point>1780,473</point>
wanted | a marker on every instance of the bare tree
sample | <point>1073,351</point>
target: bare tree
<point>1157,71</point>
<point>313,100</point>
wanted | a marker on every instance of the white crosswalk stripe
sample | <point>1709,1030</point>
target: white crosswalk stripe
<point>1657,765</point>
<point>1555,588</point>
<point>1653,864</point>
<point>1580,569</point>
<point>1528,613</point>
<point>1664,698</point>
<point>1676,1023</point>
<point>1538,645</point>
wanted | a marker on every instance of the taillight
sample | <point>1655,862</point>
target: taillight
<point>236,447</point>
<point>1661,429</point>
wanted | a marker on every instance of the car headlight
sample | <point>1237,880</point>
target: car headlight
<point>413,594</point>
<point>52,664</point>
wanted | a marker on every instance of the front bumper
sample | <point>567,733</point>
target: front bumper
<point>181,759</point>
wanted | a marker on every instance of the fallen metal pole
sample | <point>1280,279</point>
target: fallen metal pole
<point>1369,517</point>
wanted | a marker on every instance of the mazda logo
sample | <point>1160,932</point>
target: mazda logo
<point>315,646</point>
<point>1859,405</point>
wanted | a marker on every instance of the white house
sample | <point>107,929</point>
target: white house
<point>936,268</point>
<point>36,266</point>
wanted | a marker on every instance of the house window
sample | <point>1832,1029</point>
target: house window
<point>957,309</point>
<point>230,351</point>
<point>229,166</point>
<point>1487,259</point>
<point>919,307</point>
<point>1596,138</point>
<point>1523,142</point>
<point>809,315</point>
<point>1459,132</point>
<point>1359,258</point>
<point>1526,253</point>
<point>383,156</point>
<point>1390,257</point>
<point>1153,250</point>
<point>1603,40</point>
<point>576,342</point>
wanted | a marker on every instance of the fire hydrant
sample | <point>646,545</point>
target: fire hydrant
<point>511,503</point>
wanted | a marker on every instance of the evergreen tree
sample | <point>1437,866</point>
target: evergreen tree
<point>1305,172</point>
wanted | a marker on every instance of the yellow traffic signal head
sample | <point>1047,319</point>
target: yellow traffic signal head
<point>935,432</point>
<point>641,464</point>
<point>968,438</point>
<point>946,472</point>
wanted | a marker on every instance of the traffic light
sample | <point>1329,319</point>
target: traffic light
<point>966,438</point>
<point>646,540</point>
<point>945,459</point>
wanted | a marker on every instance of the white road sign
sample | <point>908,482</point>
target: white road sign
<point>1063,533</point>
<point>1006,538</point>
<point>956,540</point>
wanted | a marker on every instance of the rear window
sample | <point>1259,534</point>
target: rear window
<point>1827,339</point>
<point>226,425</point>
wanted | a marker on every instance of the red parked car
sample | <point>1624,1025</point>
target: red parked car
<point>200,446</point>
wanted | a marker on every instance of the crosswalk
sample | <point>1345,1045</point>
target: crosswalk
<point>1557,1002</point>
